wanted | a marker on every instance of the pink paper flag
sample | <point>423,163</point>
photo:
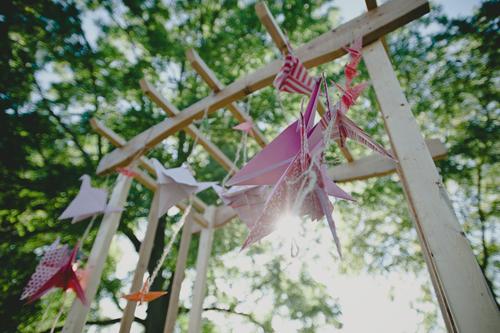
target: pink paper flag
<point>88,202</point>
<point>55,270</point>
<point>246,126</point>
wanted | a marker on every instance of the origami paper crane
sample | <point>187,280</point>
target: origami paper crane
<point>88,202</point>
<point>293,77</point>
<point>343,126</point>
<point>284,163</point>
<point>55,270</point>
<point>144,295</point>
<point>245,127</point>
<point>248,201</point>
<point>175,185</point>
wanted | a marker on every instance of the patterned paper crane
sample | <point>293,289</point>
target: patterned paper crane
<point>55,270</point>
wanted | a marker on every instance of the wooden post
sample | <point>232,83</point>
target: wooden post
<point>142,264</point>
<point>465,299</point>
<point>95,264</point>
<point>180,267</point>
<point>204,249</point>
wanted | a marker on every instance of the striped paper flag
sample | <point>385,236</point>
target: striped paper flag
<point>293,77</point>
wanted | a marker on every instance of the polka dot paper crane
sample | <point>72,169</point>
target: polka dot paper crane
<point>55,270</point>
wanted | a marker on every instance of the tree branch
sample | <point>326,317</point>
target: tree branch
<point>65,127</point>
<point>234,312</point>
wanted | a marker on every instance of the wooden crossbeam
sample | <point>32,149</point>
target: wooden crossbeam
<point>191,130</point>
<point>328,46</point>
<point>213,82</point>
<point>376,166</point>
<point>279,38</point>
<point>143,177</point>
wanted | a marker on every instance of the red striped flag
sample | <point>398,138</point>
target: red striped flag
<point>293,77</point>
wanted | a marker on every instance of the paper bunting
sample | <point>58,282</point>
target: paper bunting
<point>55,270</point>
<point>88,202</point>
<point>245,127</point>
<point>293,77</point>
<point>176,185</point>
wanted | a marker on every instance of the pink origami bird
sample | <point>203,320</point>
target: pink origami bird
<point>343,126</point>
<point>245,127</point>
<point>248,201</point>
<point>55,270</point>
<point>175,185</point>
<point>88,202</point>
<point>283,163</point>
<point>303,172</point>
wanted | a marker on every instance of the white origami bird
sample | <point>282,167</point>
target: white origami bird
<point>88,202</point>
<point>175,185</point>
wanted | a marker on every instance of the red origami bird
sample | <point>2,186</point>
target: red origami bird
<point>144,295</point>
<point>55,270</point>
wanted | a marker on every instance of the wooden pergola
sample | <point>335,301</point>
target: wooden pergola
<point>463,295</point>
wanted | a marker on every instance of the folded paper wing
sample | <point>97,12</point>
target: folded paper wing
<point>141,296</point>
<point>248,201</point>
<point>245,127</point>
<point>269,164</point>
<point>88,202</point>
<point>175,185</point>
<point>55,270</point>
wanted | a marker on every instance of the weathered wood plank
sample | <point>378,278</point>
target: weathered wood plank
<point>468,305</point>
<point>376,166</point>
<point>191,130</point>
<point>142,264</point>
<point>95,264</point>
<point>213,82</point>
<point>180,267</point>
<point>371,26</point>
<point>199,289</point>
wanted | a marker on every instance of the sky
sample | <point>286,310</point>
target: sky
<point>369,303</point>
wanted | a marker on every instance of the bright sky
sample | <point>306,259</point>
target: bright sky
<point>369,303</point>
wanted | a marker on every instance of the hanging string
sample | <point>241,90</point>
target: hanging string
<point>56,319</point>
<point>176,228</point>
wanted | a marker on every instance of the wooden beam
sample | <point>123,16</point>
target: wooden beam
<point>465,299</point>
<point>142,264</point>
<point>223,215</point>
<point>213,82</point>
<point>95,264</point>
<point>191,130</point>
<point>117,141</point>
<point>371,26</point>
<point>376,166</point>
<point>199,289</point>
<point>180,267</point>
<point>268,21</point>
